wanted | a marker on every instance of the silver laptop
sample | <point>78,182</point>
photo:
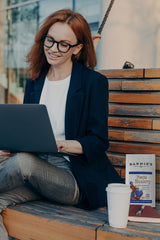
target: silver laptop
<point>26,128</point>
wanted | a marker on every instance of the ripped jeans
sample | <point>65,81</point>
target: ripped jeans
<point>27,177</point>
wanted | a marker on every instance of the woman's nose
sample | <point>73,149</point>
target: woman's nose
<point>55,47</point>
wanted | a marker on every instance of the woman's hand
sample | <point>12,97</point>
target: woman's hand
<point>70,146</point>
<point>4,153</point>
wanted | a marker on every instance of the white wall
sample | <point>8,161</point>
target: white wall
<point>131,33</point>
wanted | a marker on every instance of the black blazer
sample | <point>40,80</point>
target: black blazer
<point>85,121</point>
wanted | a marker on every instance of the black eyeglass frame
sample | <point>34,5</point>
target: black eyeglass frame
<point>54,41</point>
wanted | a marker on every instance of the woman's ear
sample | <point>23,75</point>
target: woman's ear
<point>78,49</point>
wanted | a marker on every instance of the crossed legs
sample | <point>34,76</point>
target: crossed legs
<point>26,177</point>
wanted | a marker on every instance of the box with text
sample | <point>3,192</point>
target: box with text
<point>140,174</point>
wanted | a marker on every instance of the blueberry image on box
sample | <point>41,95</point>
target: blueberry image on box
<point>136,193</point>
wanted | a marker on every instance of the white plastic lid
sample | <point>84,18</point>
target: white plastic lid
<point>118,187</point>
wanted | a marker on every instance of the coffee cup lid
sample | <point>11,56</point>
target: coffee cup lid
<point>118,187</point>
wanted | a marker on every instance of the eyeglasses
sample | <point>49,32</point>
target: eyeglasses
<point>61,45</point>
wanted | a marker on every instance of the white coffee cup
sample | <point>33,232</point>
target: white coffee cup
<point>118,199</point>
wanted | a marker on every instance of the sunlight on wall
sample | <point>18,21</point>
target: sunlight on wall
<point>132,33</point>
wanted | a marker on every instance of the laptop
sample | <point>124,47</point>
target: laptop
<point>26,128</point>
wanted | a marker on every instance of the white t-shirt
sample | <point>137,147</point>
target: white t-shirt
<point>54,94</point>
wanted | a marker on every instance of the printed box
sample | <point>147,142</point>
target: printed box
<point>140,174</point>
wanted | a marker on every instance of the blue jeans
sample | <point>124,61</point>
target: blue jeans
<point>27,177</point>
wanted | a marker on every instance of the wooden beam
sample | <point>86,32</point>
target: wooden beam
<point>134,231</point>
<point>134,148</point>
<point>134,110</point>
<point>152,73</point>
<point>141,85</point>
<point>127,73</point>
<point>34,225</point>
<point>156,124</point>
<point>139,98</point>
<point>134,85</point>
<point>131,122</point>
<point>115,84</point>
<point>119,160</point>
<point>129,233</point>
<point>144,136</point>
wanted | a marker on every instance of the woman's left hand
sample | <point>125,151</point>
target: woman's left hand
<point>70,146</point>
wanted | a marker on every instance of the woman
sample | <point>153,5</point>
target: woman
<point>61,63</point>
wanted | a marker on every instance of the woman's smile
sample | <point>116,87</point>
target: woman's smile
<point>53,55</point>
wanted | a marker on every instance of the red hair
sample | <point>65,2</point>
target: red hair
<point>36,57</point>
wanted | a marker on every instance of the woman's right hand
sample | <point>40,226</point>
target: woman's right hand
<point>5,152</point>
